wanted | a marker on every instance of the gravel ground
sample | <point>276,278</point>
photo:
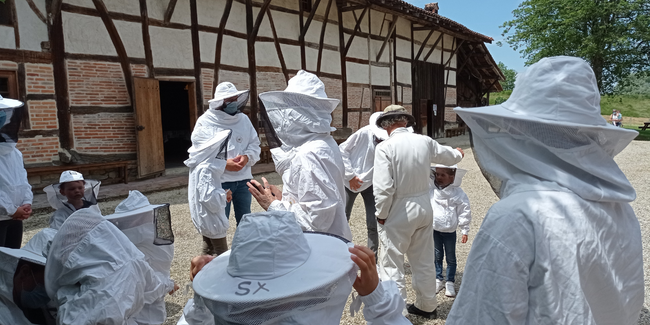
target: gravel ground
<point>188,242</point>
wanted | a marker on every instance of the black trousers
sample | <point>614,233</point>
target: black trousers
<point>11,233</point>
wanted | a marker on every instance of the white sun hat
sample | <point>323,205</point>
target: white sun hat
<point>558,91</point>
<point>226,90</point>
<point>9,103</point>
<point>70,176</point>
<point>460,172</point>
<point>276,274</point>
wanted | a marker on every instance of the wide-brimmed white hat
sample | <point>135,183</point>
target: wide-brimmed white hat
<point>226,90</point>
<point>559,91</point>
<point>9,103</point>
<point>273,263</point>
<point>310,88</point>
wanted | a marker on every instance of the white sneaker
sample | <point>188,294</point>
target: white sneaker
<point>450,292</point>
<point>439,285</point>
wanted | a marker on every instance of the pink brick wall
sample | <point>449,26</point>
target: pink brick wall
<point>138,70</point>
<point>270,81</point>
<point>39,149</point>
<point>40,78</point>
<point>207,77</point>
<point>42,114</point>
<point>104,133</point>
<point>8,65</point>
<point>96,84</point>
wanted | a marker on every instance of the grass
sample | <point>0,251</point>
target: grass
<point>643,135</point>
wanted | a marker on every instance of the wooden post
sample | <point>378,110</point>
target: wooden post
<point>14,19</point>
<point>169,12</point>
<point>252,73</point>
<point>60,77</point>
<point>278,48</point>
<point>217,51</point>
<point>344,78</point>
<point>148,56</point>
<point>196,54</point>
<point>322,37</point>
<point>301,40</point>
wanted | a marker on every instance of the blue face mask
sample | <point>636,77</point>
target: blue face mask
<point>3,118</point>
<point>231,108</point>
<point>34,299</point>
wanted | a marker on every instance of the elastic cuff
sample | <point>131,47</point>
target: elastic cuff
<point>277,206</point>
<point>464,232</point>
<point>374,297</point>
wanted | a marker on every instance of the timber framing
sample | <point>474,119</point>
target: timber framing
<point>60,77</point>
<point>196,53</point>
<point>321,41</point>
<point>37,11</point>
<point>278,48</point>
<point>146,39</point>
<point>217,51</point>
<point>169,12</point>
<point>85,110</point>
<point>25,56</point>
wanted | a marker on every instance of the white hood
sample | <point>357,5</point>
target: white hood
<point>59,201</point>
<point>208,143</point>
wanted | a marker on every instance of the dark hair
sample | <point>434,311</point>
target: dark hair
<point>62,185</point>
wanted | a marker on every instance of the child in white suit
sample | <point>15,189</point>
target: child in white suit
<point>450,211</point>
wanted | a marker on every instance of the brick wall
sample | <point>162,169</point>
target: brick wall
<point>207,78</point>
<point>239,79</point>
<point>92,83</point>
<point>270,81</point>
<point>138,70</point>
<point>8,65</point>
<point>39,150</point>
<point>104,133</point>
<point>42,114</point>
<point>40,79</point>
<point>450,99</point>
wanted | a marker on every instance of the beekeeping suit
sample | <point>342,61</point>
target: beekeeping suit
<point>14,187</point>
<point>95,275</point>
<point>451,209</point>
<point>306,155</point>
<point>276,274</point>
<point>59,202</point>
<point>139,220</point>
<point>563,245</point>
<point>358,153</point>
<point>207,199</point>
<point>401,189</point>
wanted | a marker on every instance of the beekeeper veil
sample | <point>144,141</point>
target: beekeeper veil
<point>94,274</point>
<point>59,201</point>
<point>11,116</point>
<point>276,274</point>
<point>228,99</point>
<point>550,129</point>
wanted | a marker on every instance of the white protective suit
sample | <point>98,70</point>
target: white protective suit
<point>40,243</point>
<point>451,209</point>
<point>207,199</point>
<point>244,139</point>
<point>135,217</point>
<point>401,189</point>
<point>14,187</point>
<point>60,203</point>
<point>309,159</point>
<point>358,153</point>
<point>95,275</point>
<point>563,245</point>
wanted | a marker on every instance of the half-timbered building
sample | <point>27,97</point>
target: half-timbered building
<point>119,83</point>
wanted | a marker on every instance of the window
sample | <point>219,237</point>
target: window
<point>9,89</point>
<point>5,14</point>
<point>381,96</point>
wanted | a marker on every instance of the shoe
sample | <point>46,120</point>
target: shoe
<point>450,292</point>
<point>439,285</point>
<point>419,312</point>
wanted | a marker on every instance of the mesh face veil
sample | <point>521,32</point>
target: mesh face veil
<point>13,118</point>
<point>494,181</point>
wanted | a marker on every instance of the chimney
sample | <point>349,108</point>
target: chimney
<point>432,7</point>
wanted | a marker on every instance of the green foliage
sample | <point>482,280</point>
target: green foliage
<point>510,74</point>
<point>634,84</point>
<point>613,36</point>
<point>500,97</point>
<point>643,135</point>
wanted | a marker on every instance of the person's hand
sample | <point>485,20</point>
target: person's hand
<point>242,160</point>
<point>28,208</point>
<point>355,183</point>
<point>233,165</point>
<point>381,221</point>
<point>198,263</point>
<point>463,239</point>
<point>176,287</point>
<point>368,280</point>
<point>228,196</point>
<point>461,152</point>
<point>22,212</point>
<point>263,194</point>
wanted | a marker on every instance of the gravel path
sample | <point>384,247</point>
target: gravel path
<point>188,242</point>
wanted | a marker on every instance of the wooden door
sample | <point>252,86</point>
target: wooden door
<point>148,125</point>
<point>194,111</point>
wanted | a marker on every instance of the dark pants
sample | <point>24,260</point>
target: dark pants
<point>371,220</point>
<point>214,246</point>
<point>446,241</point>
<point>241,198</point>
<point>11,233</point>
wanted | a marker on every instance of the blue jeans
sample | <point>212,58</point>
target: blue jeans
<point>371,219</point>
<point>241,198</point>
<point>446,241</point>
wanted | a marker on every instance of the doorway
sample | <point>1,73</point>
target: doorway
<point>175,112</point>
<point>428,98</point>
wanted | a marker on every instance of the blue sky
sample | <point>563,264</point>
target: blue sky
<point>485,17</point>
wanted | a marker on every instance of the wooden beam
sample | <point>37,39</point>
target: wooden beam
<point>322,37</point>
<point>303,32</point>
<point>60,74</point>
<point>258,21</point>
<point>426,57</point>
<point>196,54</point>
<point>301,40</point>
<point>353,8</point>
<point>38,13</point>
<point>83,110</point>
<point>217,51</point>
<point>356,27</point>
<point>455,50</point>
<point>344,77</point>
<point>391,29</point>
<point>14,19</point>
<point>426,39</point>
<point>117,43</point>
<point>22,93</point>
<point>278,48</point>
<point>252,73</point>
<point>170,11</point>
<point>25,56</point>
<point>146,39</point>
<point>417,29</point>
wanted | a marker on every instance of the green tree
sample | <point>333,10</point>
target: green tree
<point>612,35</point>
<point>510,74</point>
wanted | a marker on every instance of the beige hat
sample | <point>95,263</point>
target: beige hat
<point>395,110</point>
